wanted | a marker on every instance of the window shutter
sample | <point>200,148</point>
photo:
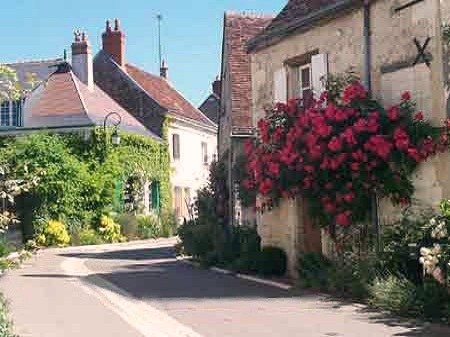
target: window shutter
<point>156,199</point>
<point>280,85</point>
<point>319,65</point>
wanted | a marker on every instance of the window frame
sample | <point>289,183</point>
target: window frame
<point>301,88</point>
<point>176,153</point>
<point>204,147</point>
<point>13,112</point>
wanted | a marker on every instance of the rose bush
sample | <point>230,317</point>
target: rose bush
<point>340,151</point>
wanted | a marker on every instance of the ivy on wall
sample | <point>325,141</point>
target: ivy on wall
<point>78,176</point>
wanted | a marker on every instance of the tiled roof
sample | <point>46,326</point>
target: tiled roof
<point>64,101</point>
<point>239,28</point>
<point>41,69</point>
<point>295,14</point>
<point>211,107</point>
<point>166,96</point>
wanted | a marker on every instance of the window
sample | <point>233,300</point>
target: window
<point>176,146</point>
<point>4,114</point>
<point>10,113</point>
<point>178,201</point>
<point>187,199</point>
<point>304,80</point>
<point>204,153</point>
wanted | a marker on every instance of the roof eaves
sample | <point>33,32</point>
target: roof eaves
<point>266,39</point>
<point>212,127</point>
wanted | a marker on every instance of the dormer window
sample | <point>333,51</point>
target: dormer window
<point>11,114</point>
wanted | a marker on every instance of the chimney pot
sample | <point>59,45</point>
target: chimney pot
<point>217,87</point>
<point>114,42</point>
<point>82,65</point>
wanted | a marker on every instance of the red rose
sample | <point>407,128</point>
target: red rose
<point>343,219</point>
<point>406,96</point>
<point>419,116</point>
<point>349,197</point>
<point>413,153</point>
<point>330,207</point>
<point>335,144</point>
<point>355,166</point>
<point>394,113</point>
<point>329,186</point>
<point>354,92</point>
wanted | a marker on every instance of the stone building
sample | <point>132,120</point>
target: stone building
<point>383,41</point>
<point>235,120</point>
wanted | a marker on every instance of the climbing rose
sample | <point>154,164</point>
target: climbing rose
<point>419,116</point>
<point>394,113</point>
<point>406,96</point>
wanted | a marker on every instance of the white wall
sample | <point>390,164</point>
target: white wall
<point>189,171</point>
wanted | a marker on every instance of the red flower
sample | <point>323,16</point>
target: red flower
<point>355,166</point>
<point>248,147</point>
<point>360,125</point>
<point>335,144</point>
<point>343,219</point>
<point>394,113</point>
<point>401,139</point>
<point>413,153</point>
<point>274,168</point>
<point>406,96</point>
<point>329,186</point>
<point>419,116</point>
<point>266,186</point>
<point>354,92</point>
<point>349,197</point>
<point>330,207</point>
<point>349,137</point>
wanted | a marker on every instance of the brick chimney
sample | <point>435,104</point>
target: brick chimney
<point>164,70</point>
<point>114,42</point>
<point>217,87</point>
<point>82,65</point>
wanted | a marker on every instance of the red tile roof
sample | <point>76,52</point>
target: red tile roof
<point>64,101</point>
<point>166,96</point>
<point>239,28</point>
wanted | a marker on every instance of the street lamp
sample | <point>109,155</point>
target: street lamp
<point>116,119</point>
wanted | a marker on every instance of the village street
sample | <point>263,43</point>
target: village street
<point>141,289</point>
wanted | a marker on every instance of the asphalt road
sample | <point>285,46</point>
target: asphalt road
<point>142,290</point>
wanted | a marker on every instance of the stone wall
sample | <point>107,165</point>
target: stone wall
<point>393,54</point>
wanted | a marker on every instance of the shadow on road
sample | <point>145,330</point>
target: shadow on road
<point>153,274</point>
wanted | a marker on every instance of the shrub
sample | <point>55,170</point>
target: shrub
<point>168,223</point>
<point>54,233</point>
<point>128,225</point>
<point>395,294</point>
<point>88,236</point>
<point>272,261</point>
<point>314,270</point>
<point>109,230</point>
<point>247,247</point>
<point>434,301</point>
<point>5,247</point>
<point>6,328</point>
<point>148,227</point>
<point>197,239</point>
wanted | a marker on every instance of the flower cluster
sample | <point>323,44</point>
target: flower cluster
<point>435,253</point>
<point>337,154</point>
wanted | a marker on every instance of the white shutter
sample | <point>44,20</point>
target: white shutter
<point>319,65</point>
<point>280,85</point>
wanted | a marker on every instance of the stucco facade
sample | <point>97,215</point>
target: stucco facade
<point>393,51</point>
<point>190,171</point>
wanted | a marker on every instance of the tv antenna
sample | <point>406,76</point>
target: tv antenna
<point>159,17</point>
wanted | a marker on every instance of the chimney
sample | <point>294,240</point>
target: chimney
<point>217,87</point>
<point>114,42</point>
<point>82,65</point>
<point>164,70</point>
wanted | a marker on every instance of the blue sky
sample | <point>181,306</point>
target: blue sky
<point>191,30</point>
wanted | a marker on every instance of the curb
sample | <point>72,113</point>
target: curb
<point>256,279</point>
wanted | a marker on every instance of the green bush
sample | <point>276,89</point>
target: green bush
<point>314,270</point>
<point>272,261</point>
<point>6,327</point>
<point>148,227</point>
<point>395,294</point>
<point>197,239</point>
<point>88,237</point>
<point>247,246</point>
<point>54,233</point>
<point>168,224</point>
<point>128,225</point>
<point>434,301</point>
<point>5,247</point>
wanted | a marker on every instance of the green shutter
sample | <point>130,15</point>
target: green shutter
<point>156,199</point>
<point>118,196</point>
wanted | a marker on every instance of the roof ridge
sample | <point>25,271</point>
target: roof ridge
<point>80,96</point>
<point>250,14</point>
<point>34,61</point>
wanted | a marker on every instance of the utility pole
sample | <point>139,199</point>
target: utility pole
<point>159,18</point>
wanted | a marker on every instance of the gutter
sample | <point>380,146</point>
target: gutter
<point>302,24</point>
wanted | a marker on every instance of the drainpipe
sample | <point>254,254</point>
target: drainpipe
<point>367,52</point>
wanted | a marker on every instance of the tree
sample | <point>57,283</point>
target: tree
<point>10,89</point>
